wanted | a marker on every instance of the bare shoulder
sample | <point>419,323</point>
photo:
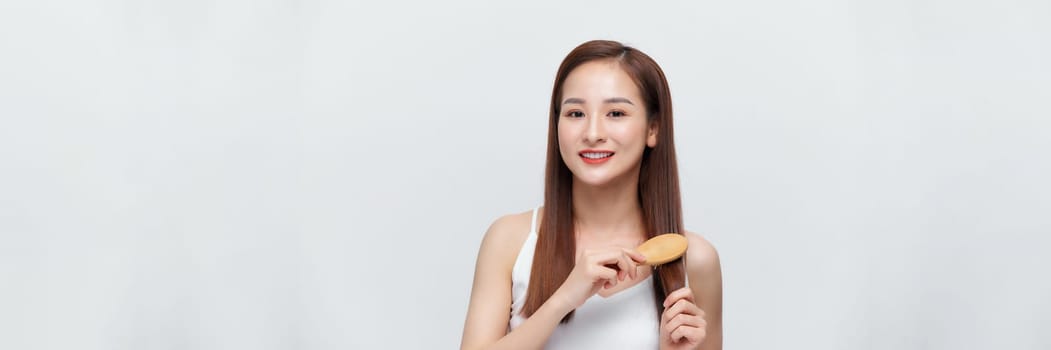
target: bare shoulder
<point>706,281</point>
<point>701,256</point>
<point>505,236</point>
<point>490,305</point>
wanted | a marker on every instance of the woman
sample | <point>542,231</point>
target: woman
<point>566,275</point>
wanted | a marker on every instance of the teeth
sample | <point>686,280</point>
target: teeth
<point>597,155</point>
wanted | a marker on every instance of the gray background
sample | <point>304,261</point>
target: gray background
<point>318,174</point>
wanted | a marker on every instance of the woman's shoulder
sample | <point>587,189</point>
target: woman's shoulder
<point>514,226</point>
<point>506,234</point>
<point>513,223</point>
<point>701,255</point>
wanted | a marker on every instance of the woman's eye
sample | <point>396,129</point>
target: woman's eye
<point>616,114</point>
<point>575,114</point>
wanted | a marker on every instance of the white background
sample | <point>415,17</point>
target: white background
<point>318,174</point>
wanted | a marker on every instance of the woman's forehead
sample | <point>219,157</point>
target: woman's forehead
<point>599,79</point>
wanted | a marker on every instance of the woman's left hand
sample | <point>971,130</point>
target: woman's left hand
<point>682,322</point>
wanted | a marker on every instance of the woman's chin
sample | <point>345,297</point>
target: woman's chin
<point>597,181</point>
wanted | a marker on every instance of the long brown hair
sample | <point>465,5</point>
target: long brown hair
<point>658,191</point>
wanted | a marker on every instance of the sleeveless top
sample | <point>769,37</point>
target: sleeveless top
<point>625,320</point>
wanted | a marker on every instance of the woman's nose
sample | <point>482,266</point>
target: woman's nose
<point>595,130</point>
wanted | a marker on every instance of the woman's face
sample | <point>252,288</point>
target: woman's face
<point>602,128</point>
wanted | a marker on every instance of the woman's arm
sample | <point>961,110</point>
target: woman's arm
<point>490,307</point>
<point>693,315</point>
<point>706,282</point>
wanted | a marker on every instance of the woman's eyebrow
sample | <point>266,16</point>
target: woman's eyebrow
<point>618,100</point>
<point>575,100</point>
<point>608,100</point>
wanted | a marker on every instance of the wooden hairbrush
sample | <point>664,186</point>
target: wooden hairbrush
<point>663,248</point>
<point>659,251</point>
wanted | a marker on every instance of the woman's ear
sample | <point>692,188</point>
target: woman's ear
<point>651,136</point>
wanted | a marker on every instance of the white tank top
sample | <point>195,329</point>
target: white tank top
<point>625,320</point>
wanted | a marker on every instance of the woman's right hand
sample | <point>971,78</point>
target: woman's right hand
<point>598,269</point>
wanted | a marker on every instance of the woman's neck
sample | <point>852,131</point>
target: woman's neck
<point>611,210</point>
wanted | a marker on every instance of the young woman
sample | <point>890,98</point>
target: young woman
<point>566,275</point>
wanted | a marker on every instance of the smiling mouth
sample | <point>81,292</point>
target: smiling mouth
<point>595,157</point>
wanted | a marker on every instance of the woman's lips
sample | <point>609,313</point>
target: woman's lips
<point>595,156</point>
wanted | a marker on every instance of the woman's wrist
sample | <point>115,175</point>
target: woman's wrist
<point>559,304</point>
